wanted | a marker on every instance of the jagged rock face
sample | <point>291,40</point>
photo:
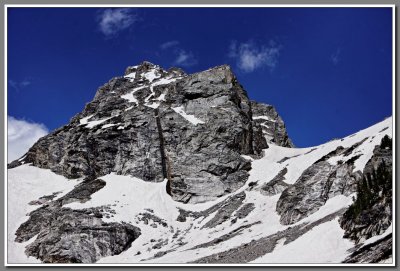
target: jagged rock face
<point>75,237</point>
<point>375,218</point>
<point>65,235</point>
<point>372,253</point>
<point>223,210</point>
<point>155,124</point>
<point>321,181</point>
<point>382,154</point>
<point>276,185</point>
<point>272,125</point>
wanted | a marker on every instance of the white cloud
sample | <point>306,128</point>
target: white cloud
<point>21,135</point>
<point>18,85</point>
<point>184,58</point>
<point>181,56</point>
<point>335,57</point>
<point>249,56</point>
<point>112,21</point>
<point>13,84</point>
<point>169,44</point>
<point>25,83</point>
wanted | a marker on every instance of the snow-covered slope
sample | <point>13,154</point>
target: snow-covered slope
<point>27,184</point>
<point>225,230</point>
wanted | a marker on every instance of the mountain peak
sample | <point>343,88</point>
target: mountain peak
<point>138,122</point>
<point>150,72</point>
<point>154,139</point>
<point>142,67</point>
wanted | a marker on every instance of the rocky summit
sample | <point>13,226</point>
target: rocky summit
<point>168,167</point>
<point>157,124</point>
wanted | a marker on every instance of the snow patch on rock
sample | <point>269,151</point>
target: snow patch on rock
<point>191,118</point>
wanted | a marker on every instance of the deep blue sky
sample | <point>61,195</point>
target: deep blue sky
<point>328,71</point>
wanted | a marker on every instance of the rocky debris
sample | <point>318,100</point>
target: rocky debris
<point>384,129</point>
<point>350,150</point>
<point>224,210</point>
<point>287,158</point>
<point>106,211</point>
<point>180,235</point>
<point>160,254</point>
<point>256,248</point>
<point>272,125</point>
<point>336,152</point>
<point>161,243</point>
<point>146,217</point>
<point>244,211</point>
<point>321,181</point>
<point>225,237</point>
<point>65,235</point>
<point>44,199</point>
<point>310,151</point>
<point>376,252</point>
<point>371,213</point>
<point>83,191</point>
<point>276,185</point>
<point>155,124</point>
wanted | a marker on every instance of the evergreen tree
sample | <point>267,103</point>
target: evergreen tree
<point>370,190</point>
<point>386,142</point>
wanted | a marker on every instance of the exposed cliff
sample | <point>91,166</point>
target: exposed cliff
<point>273,127</point>
<point>156,124</point>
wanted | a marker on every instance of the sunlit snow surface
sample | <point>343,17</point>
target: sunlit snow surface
<point>322,244</point>
<point>25,184</point>
<point>190,118</point>
<point>154,80</point>
<point>90,124</point>
<point>130,196</point>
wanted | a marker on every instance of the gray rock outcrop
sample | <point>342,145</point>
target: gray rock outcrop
<point>156,124</point>
<point>223,211</point>
<point>321,181</point>
<point>276,185</point>
<point>376,252</point>
<point>65,235</point>
<point>273,127</point>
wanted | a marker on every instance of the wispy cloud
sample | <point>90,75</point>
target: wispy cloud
<point>13,84</point>
<point>335,57</point>
<point>250,56</point>
<point>113,21</point>
<point>169,44</point>
<point>184,58</point>
<point>21,135</point>
<point>18,85</point>
<point>25,83</point>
